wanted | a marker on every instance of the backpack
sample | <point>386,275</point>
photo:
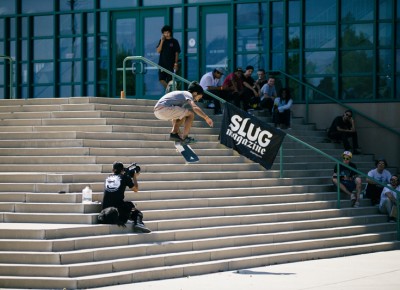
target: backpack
<point>110,215</point>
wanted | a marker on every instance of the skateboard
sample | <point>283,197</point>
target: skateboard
<point>187,152</point>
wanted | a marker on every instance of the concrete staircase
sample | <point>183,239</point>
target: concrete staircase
<point>223,213</point>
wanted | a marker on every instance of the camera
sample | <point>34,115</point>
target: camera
<point>132,169</point>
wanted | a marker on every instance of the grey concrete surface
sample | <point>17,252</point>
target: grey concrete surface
<point>367,272</point>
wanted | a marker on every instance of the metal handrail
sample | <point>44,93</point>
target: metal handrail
<point>338,163</point>
<point>174,76</point>
<point>11,73</point>
<point>338,102</point>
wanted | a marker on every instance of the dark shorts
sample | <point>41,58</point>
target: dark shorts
<point>162,75</point>
<point>349,184</point>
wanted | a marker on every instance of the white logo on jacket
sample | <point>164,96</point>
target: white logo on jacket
<point>113,182</point>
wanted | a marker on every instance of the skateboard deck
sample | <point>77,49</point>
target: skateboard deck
<point>187,152</point>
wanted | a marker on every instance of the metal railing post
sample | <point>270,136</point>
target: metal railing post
<point>281,161</point>
<point>307,106</point>
<point>338,184</point>
<point>11,74</point>
<point>398,216</point>
<point>123,93</point>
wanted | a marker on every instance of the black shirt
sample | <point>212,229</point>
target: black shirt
<point>114,189</point>
<point>249,80</point>
<point>338,122</point>
<point>167,54</point>
<point>344,171</point>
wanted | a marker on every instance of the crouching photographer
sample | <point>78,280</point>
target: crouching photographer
<point>115,209</point>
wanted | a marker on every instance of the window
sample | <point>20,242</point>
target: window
<point>356,10</point>
<point>320,11</point>
<point>117,3</point>
<point>43,26</point>
<point>70,24</point>
<point>29,6</point>
<point>320,62</point>
<point>357,36</point>
<point>320,37</point>
<point>68,5</point>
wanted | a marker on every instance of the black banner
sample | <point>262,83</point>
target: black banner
<point>250,136</point>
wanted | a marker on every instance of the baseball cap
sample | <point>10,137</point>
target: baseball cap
<point>238,69</point>
<point>220,70</point>
<point>347,153</point>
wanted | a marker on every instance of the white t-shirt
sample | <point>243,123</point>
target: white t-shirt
<point>175,98</point>
<point>384,196</point>
<point>383,177</point>
<point>208,80</point>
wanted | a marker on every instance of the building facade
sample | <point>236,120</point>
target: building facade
<point>348,49</point>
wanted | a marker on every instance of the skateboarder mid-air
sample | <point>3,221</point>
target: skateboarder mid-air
<point>172,107</point>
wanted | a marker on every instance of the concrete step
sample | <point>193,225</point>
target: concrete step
<point>173,259</point>
<point>115,278</point>
<point>24,177</point>
<point>178,229</point>
<point>43,143</point>
<point>156,186</point>
<point>74,155</point>
<point>172,194</point>
<point>76,101</point>
<point>140,250</point>
<point>73,203</point>
<point>37,135</point>
<point>107,147</point>
<point>56,218</point>
<point>29,238</point>
<point>69,185</point>
<point>155,218</point>
<point>223,212</point>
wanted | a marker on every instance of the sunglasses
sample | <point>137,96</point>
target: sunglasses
<point>346,158</point>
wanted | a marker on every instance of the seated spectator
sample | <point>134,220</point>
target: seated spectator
<point>388,200</point>
<point>258,84</point>
<point>261,80</point>
<point>268,94</point>
<point>281,109</point>
<point>374,190</point>
<point>349,180</point>
<point>232,86</point>
<point>249,92</point>
<point>343,128</point>
<point>212,82</point>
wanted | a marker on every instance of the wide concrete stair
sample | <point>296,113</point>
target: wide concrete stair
<point>220,214</point>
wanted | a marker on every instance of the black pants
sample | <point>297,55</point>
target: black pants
<point>344,137</point>
<point>267,103</point>
<point>373,192</point>
<point>217,108</point>
<point>239,99</point>
<point>281,118</point>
